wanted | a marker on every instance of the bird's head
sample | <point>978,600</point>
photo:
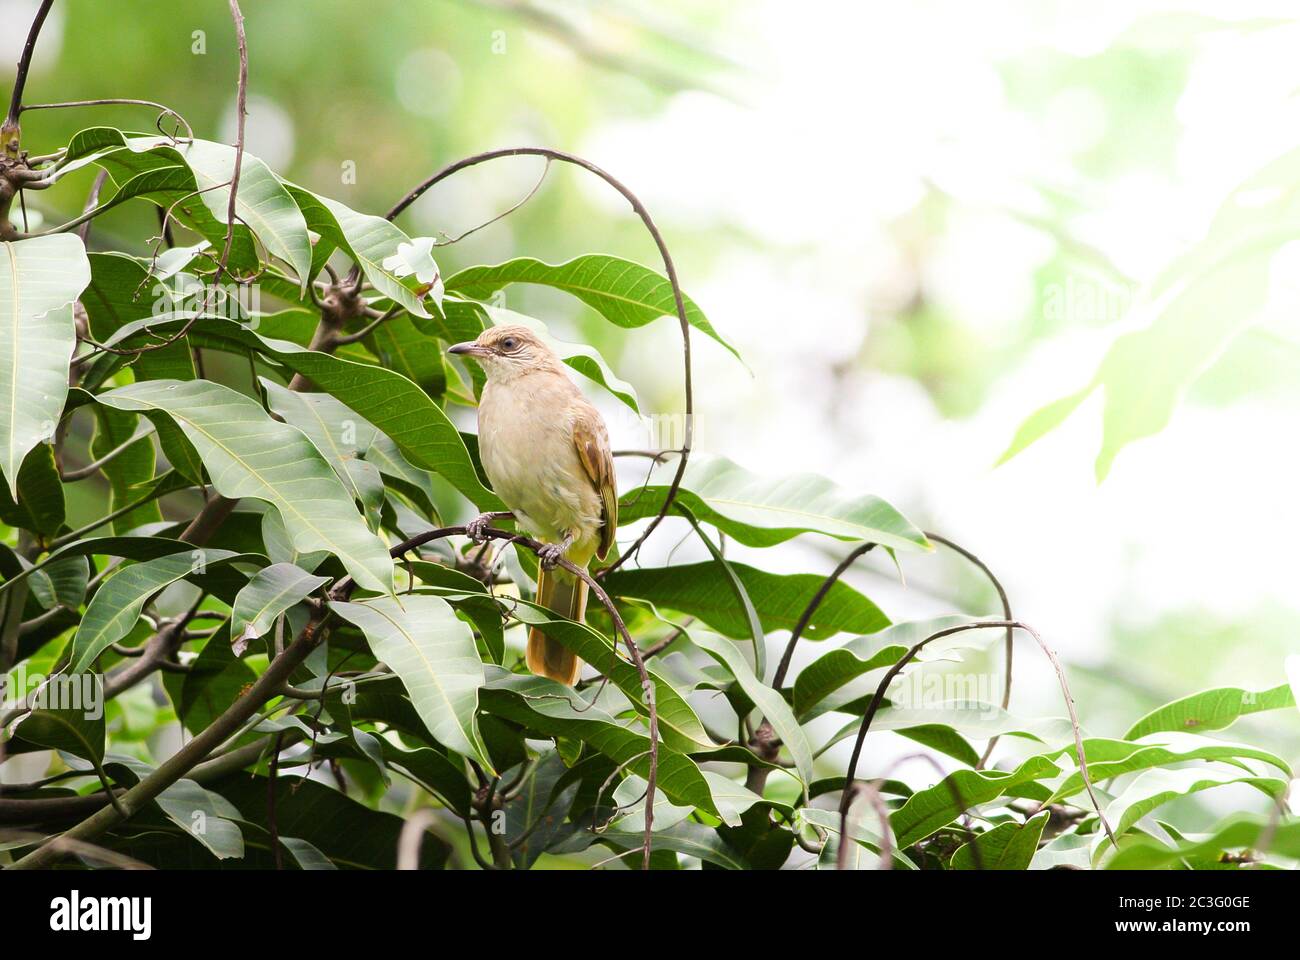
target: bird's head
<point>507,351</point>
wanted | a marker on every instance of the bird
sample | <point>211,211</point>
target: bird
<point>546,452</point>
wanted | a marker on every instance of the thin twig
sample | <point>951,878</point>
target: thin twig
<point>894,670</point>
<point>10,131</point>
<point>806,617</point>
<point>1009,645</point>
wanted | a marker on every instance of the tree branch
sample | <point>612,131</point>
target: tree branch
<point>10,132</point>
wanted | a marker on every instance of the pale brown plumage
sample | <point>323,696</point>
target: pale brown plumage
<point>546,451</point>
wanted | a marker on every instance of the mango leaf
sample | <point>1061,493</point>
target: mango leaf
<point>679,726</point>
<point>387,400</point>
<point>767,700</point>
<point>248,454</point>
<point>349,833</point>
<point>624,293</point>
<point>78,730</point>
<point>701,590</point>
<point>432,650</point>
<point>882,648</point>
<point>332,428</point>
<point>764,511</point>
<point>1008,846</point>
<point>369,240</point>
<point>687,838</point>
<point>39,280</point>
<point>270,592</point>
<point>195,176</point>
<point>1154,788</point>
<point>206,816</point>
<point>1211,709</point>
<point>753,627</point>
<point>968,718</point>
<point>131,548</point>
<point>134,466</point>
<point>554,710</point>
<point>928,811</point>
<point>40,507</point>
<point>1237,833</point>
<point>1111,758</point>
<point>862,830</point>
<point>117,603</point>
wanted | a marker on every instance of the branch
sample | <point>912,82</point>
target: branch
<point>678,298</point>
<point>343,589</point>
<point>894,670</point>
<point>806,617</point>
<point>1006,615</point>
<point>189,755</point>
<point>166,110</point>
<point>10,132</point>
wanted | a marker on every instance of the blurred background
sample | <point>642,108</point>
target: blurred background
<point>919,223</point>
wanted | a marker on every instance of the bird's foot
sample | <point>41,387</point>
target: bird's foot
<point>476,528</point>
<point>550,554</point>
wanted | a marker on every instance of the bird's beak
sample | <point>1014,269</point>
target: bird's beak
<point>470,348</point>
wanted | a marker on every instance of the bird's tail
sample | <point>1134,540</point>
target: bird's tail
<point>563,593</point>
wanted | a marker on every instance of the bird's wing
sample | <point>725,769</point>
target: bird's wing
<point>592,442</point>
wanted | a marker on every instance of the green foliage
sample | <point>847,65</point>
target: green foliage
<point>254,477</point>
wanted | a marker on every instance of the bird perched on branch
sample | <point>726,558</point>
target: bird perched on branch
<point>546,451</point>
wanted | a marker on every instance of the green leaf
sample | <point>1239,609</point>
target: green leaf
<point>261,202</point>
<point>134,466</point>
<point>432,650</point>
<point>928,811</point>
<point>767,700</point>
<point>863,654</point>
<point>271,592</point>
<point>679,726</point>
<point>555,710</point>
<point>387,400</point>
<point>1111,758</point>
<point>624,293</point>
<point>1154,788</point>
<point>77,730</point>
<point>131,548</point>
<point>967,718</point>
<point>703,591</point>
<point>248,454</point>
<point>1237,833</point>
<point>333,429</point>
<point>40,507</point>
<point>117,603</point>
<point>752,625</point>
<point>687,838</point>
<point>39,280</point>
<point>1211,709</point>
<point>195,176</point>
<point>764,511</point>
<point>1008,846</point>
<point>369,240</point>
<point>349,833</point>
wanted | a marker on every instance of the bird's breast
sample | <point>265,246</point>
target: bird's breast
<point>526,444</point>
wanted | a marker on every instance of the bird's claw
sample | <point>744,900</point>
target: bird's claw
<point>476,528</point>
<point>549,555</point>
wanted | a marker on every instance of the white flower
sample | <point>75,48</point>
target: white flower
<point>416,257</point>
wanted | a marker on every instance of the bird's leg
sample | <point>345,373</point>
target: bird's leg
<point>474,529</point>
<point>550,554</point>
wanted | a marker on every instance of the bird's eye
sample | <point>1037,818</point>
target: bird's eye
<point>509,343</point>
